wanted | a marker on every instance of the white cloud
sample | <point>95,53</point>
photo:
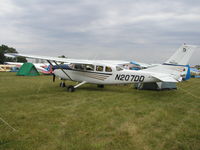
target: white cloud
<point>109,28</point>
<point>8,8</point>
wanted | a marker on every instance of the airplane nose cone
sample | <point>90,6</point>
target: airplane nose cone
<point>56,72</point>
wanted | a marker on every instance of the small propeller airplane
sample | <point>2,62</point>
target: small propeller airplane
<point>102,72</point>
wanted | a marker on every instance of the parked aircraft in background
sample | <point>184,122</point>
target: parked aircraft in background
<point>103,72</point>
<point>194,72</point>
<point>41,67</point>
<point>6,68</point>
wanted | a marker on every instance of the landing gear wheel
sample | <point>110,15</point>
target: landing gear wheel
<point>70,88</point>
<point>62,84</point>
<point>100,85</point>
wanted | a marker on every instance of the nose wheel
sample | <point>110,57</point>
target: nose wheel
<point>70,88</point>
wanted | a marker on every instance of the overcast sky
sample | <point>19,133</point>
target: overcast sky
<point>142,30</point>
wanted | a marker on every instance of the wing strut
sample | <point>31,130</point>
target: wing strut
<point>60,68</point>
<point>50,63</point>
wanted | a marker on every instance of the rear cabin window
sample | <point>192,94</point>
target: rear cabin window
<point>108,69</point>
<point>99,68</point>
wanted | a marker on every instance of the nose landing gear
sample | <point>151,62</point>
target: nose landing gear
<point>70,88</point>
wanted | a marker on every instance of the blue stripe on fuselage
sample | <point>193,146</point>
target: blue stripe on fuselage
<point>174,65</point>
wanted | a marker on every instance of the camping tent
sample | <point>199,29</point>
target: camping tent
<point>28,69</point>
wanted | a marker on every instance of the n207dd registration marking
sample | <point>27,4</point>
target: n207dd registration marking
<point>135,78</point>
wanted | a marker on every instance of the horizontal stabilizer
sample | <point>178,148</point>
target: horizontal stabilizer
<point>164,77</point>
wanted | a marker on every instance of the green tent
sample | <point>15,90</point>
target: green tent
<point>28,69</point>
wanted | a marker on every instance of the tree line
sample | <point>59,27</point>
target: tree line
<point>5,49</point>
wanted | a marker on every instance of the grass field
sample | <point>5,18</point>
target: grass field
<point>46,117</point>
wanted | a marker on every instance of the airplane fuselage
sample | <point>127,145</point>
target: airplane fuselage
<point>115,77</point>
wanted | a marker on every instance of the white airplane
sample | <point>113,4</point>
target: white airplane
<point>102,72</point>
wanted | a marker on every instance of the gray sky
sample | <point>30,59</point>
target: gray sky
<point>142,30</point>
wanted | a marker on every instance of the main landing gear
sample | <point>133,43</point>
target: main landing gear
<point>100,85</point>
<point>62,84</point>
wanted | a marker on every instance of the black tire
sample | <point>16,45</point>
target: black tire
<point>71,88</point>
<point>100,85</point>
<point>62,84</point>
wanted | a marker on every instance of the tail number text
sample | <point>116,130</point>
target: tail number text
<point>135,78</point>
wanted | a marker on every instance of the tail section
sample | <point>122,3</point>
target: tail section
<point>175,68</point>
<point>182,55</point>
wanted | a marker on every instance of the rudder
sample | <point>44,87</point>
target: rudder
<point>182,55</point>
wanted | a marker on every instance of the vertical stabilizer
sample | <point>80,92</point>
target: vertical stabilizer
<point>182,55</point>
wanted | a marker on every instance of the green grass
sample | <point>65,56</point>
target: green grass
<point>47,117</point>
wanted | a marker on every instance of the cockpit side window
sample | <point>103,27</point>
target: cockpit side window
<point>82,67</point>
<point>108,69</point>
<point>118,68</point>
<point>78,67</point>
<point>99,68</point>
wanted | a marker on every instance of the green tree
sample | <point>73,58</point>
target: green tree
<point>5,49</point>
<point>2,58</point>
<point>62,56</point>
<point>197,66</point>
<point>21,59</point>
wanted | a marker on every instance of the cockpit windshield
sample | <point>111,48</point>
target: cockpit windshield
<point>119,68</point>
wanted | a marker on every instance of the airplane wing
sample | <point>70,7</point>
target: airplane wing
<point>67,60</point>
<point>13,63</point>
<point>56,59</point>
